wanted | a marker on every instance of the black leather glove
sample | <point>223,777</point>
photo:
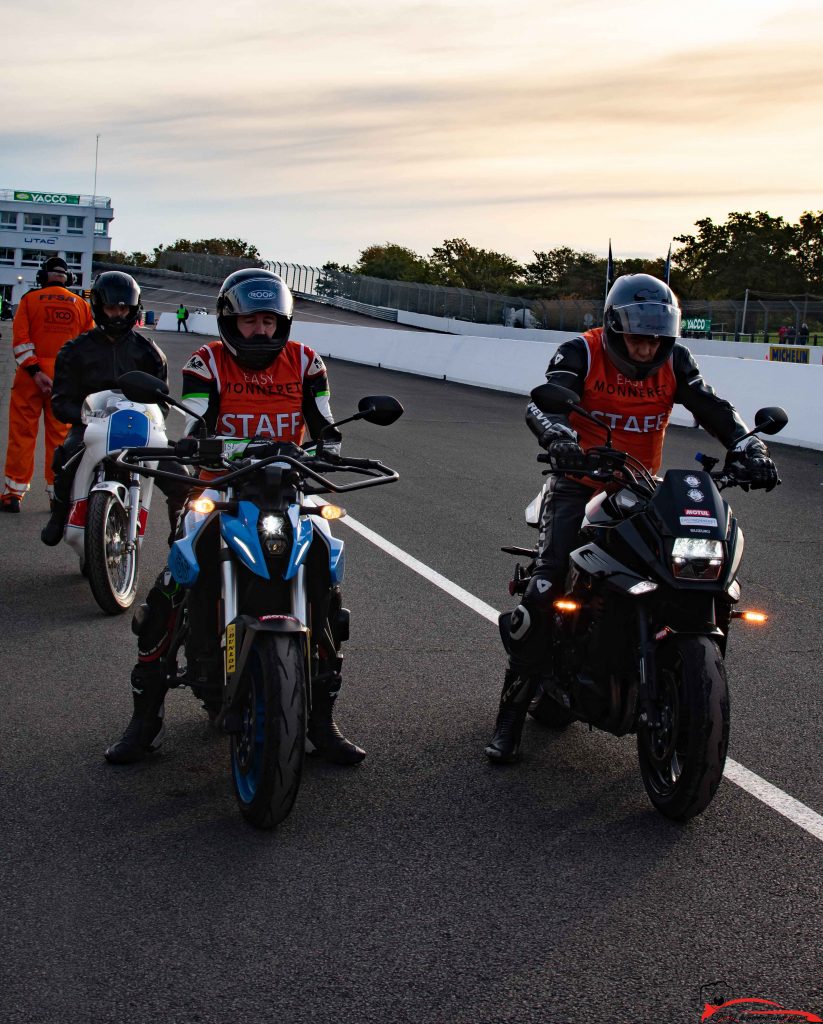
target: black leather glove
<point>566,454</point>
<point>557,432</point>
<point>751,457</point>
<point>185,447</point>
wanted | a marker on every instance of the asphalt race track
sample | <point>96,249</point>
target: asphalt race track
<point>425,885</point>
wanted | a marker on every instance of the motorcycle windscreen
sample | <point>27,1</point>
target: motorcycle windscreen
<point>127,428</point>
<point>690,505</point>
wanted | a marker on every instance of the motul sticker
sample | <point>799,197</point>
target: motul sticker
<point>696,512</point>
<point>698,521</point>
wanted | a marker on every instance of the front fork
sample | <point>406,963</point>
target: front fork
<point>649,691</point>
<point>134,512</point>
<point>230,612</point>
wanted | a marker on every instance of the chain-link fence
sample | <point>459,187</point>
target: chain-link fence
<point>751,320</point>
<point>203,264</point>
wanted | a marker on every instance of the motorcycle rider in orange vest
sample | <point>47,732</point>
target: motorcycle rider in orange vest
<point>255,380</point>
<point>628,373</point>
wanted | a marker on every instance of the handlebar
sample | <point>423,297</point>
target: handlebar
<point>308,466</point>
<point>606,465</point>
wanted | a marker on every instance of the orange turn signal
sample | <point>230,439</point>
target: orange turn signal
<point>566,606</point>
<point>332,512</point>
<point>202,505</point>
<point>757,617</point>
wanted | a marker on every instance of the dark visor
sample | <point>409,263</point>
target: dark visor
<point>657,318</point>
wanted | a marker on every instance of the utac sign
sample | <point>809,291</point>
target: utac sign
<point>55,198</point>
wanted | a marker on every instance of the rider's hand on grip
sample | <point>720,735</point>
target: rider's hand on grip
<point>567,455</point>
<point>556,432</point>
<point>186,447</point>
<point>749,461</point>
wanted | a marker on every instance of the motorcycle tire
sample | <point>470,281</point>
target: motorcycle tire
<point>267,754</point>
<point>682,761</point>
<point>112,571</point>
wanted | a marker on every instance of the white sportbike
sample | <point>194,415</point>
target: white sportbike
<point>109,507</point>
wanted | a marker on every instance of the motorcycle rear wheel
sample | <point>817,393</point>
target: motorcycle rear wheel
<point>682,761</point>
<point>267,754</point>
<point>112,570</point>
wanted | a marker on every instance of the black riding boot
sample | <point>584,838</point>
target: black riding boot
<point>323,733</point>
<point>145,731</point>
<point>52,532</point>
<point>514,703</point>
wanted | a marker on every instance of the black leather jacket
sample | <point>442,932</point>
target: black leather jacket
<point>91,362</point>
<point>569,367</point>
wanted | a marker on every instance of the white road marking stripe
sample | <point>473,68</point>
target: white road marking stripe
<point>801,815</point>
<point>468,599</point>
<point>775,798</point>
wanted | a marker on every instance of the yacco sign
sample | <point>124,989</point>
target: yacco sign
<point>56,198</point>
<point>782,354</point>
<point>696,323</point>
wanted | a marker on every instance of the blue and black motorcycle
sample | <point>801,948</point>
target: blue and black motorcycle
<point>262,615</point>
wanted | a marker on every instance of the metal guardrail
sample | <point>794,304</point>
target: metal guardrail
<point>380,312</point>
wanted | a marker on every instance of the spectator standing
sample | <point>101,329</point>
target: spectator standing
<point>182,317</point>
<point>790,335</point>
<point>47,317</point>
<point>803,337</point>
<point>781,334</point>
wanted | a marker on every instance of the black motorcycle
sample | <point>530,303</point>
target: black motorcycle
<point>640,633</point>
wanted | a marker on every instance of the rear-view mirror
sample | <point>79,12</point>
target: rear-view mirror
<point>770,420</point>
<point>380,409</point>
<point>138,386</point>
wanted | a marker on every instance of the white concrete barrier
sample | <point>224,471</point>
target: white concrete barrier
<point>197,323</point>
<point>518,366</point>
<point>699,346</point>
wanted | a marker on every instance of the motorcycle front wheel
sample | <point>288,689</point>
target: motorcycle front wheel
<point>267,754</point>
<point>111,568</point>
<point>682,758</point>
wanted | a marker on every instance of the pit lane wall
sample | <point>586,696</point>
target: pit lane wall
<point>517,366</point>
<point>197,323</point>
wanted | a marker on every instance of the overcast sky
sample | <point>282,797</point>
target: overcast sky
<point>314,130</point>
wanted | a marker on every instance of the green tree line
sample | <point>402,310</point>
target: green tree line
<point>765,254</point>
<point>209,246</point>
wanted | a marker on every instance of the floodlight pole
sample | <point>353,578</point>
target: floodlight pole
<point>94,190</point>
<point>743,318</point>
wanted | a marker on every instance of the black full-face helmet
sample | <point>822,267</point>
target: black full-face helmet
<point>254,290</point>
<point>640,304</point>
<point>114,288</point>
<point>51,264</point>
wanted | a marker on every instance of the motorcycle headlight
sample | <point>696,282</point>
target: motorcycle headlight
<point>274,533</point>
<point>696,558</point>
